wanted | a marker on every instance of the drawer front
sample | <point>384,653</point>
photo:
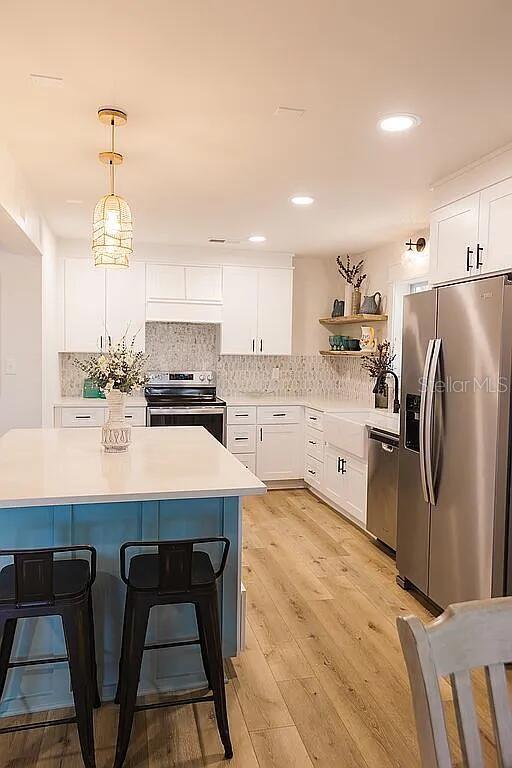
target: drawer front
<point>314,444</point>
<point>314,419</point>
<point>287,414</point>
<point>83,417</point>
<point>248,460</point>
<point>241,439</point>
<point>135,416</point>
<point>242,415</point>
<point>313,472</point>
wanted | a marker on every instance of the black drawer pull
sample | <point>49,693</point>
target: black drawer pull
<point>279,414</point>
<point>313,418</point>
<point>311,472</point>
<point>128,416</point>
<point>239,415</point>
<point>82,417</point>
<point>312,442</point>
<point>241,438</point>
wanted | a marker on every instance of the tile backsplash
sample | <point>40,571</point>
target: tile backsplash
<point>188,346</point>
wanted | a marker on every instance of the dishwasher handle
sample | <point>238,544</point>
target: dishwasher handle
<point>388,441</point>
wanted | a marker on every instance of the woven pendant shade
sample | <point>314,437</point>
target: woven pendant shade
<point>112,233</point>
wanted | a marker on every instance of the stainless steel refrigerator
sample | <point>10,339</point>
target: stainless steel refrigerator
<point>454,460</point>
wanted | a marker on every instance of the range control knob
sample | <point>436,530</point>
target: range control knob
<point>201,378</point>
<point>209,377</point>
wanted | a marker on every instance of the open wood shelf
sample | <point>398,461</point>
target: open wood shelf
<point>345,353</point>
<point>352,319</point>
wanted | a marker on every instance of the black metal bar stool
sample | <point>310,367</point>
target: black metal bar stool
<point>177,573</point>
<point>38,585</point>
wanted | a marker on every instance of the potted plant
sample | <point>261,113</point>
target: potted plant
<point>118,372</point>
<point>354,277</point>
<point>379,366</point>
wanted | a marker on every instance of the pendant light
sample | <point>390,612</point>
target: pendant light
<point>112,231</point>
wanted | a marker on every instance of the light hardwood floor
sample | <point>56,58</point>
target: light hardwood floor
<point>322,681</point>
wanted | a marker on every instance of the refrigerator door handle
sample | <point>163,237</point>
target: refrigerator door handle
<point>423,404</point>
<point>429,420</point>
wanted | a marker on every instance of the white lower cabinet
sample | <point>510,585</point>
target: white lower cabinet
<point>345,482</point>
<point>279,452</point>
<point>248,460</point>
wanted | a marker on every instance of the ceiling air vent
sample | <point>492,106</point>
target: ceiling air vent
<point>289,112</point>
<point>217,240</point>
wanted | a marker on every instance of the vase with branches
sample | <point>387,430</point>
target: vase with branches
<point>379,366</point>
<point>354,277</point>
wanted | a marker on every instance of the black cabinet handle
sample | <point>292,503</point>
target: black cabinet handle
<point>469,253</point>
<point>82,417</point>
<point>253,345</point>
<point>343,466</point>
<point>241,438</point>
<point>312,442</point>
<point>128,416</point>
<point>313,418</point>
<point>240,415</point>
<point>311,472</point>
<point>261,345</point>
<point>479,250</point>
<point>279,414</point>
<point>261,434</point>
<point>339,463</point>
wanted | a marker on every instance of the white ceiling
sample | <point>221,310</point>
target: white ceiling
<point>201,80</point>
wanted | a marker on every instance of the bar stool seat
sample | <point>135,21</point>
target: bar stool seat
<point>176,574</point>
<point>71,578</point>
<point>144,571</point>
<point>37,585</point>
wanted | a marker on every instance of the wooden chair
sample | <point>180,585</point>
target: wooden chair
<point>467,636</point>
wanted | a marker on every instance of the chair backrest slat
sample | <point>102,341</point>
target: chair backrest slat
<point>500,711</point>
<point>34,578</point>
<point>467,636</point>
<point>175,566</point>
<point>467,721</point>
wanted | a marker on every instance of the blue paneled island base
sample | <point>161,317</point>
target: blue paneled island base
<point>106,526</point>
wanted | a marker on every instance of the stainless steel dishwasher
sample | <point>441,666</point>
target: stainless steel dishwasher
<point>382,486</point>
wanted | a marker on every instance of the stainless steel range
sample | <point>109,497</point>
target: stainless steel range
<point>185,398</point>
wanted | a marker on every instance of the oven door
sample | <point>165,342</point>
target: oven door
<point>211,418</point>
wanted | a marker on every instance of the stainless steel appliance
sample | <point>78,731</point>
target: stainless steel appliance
<point>454,460</point>
<point>382,486</point>
<point>186,398</point>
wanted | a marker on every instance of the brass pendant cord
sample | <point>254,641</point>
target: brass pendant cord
<point>112,171</point>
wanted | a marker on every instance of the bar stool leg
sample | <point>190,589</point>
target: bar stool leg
<point>135,635</point>
<point>75,621</point>
<point>202,640</point>
<point>7,630</point>
<point>94,666</point>
<point>120,674</point>
<point>210,615</point>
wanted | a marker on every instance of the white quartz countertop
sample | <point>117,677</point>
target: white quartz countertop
<point>310,401</point>
<point>131,401</point>
<point>42,467</point>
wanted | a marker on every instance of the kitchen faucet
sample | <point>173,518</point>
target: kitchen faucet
<point>380,384</point>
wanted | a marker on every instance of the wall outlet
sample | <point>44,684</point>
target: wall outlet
<point>275,374</point>
<point>10,366</point>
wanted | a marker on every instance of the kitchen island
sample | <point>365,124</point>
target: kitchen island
<point>58,488</point>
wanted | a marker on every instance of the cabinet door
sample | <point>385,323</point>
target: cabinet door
<point>166,282</point>
<point>203,283</point>
<point>126,304</point>
<point>454,230</point>
<point>84,306</point>
<point>240,310</point>
<point>355,488</point>
<point>275,311</point>
<point>334,480</point>
<point>494,227</point>
<point>279,452</point>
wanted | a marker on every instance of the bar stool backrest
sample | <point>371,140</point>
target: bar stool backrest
<point>33,574</point>
<point>175,561</point>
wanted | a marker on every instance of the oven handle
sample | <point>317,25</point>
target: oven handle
<point>186,411</point>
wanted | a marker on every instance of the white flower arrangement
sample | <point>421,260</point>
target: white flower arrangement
<point>120,367</point>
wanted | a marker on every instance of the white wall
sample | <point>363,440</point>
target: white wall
<point>20,341</point>
<point>316,283</point>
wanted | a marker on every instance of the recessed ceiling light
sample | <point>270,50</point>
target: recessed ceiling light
<point>302,200</point>
<point>47,81</point>
<point>403,122</point>
<point>257,239</point>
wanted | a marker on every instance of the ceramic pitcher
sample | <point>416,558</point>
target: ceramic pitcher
<point>371,305</point>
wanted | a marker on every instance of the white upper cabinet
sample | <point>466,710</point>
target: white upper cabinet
<point>188,294</point>
<point>257,312</point>
<point>453,239</point>
<point>100,302</point>
<point>84,306</point>
<point>165,282</point>
<point>494,241</point>
<point>239,329</point>
<point>275,311</point>
<point>126,304</point>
